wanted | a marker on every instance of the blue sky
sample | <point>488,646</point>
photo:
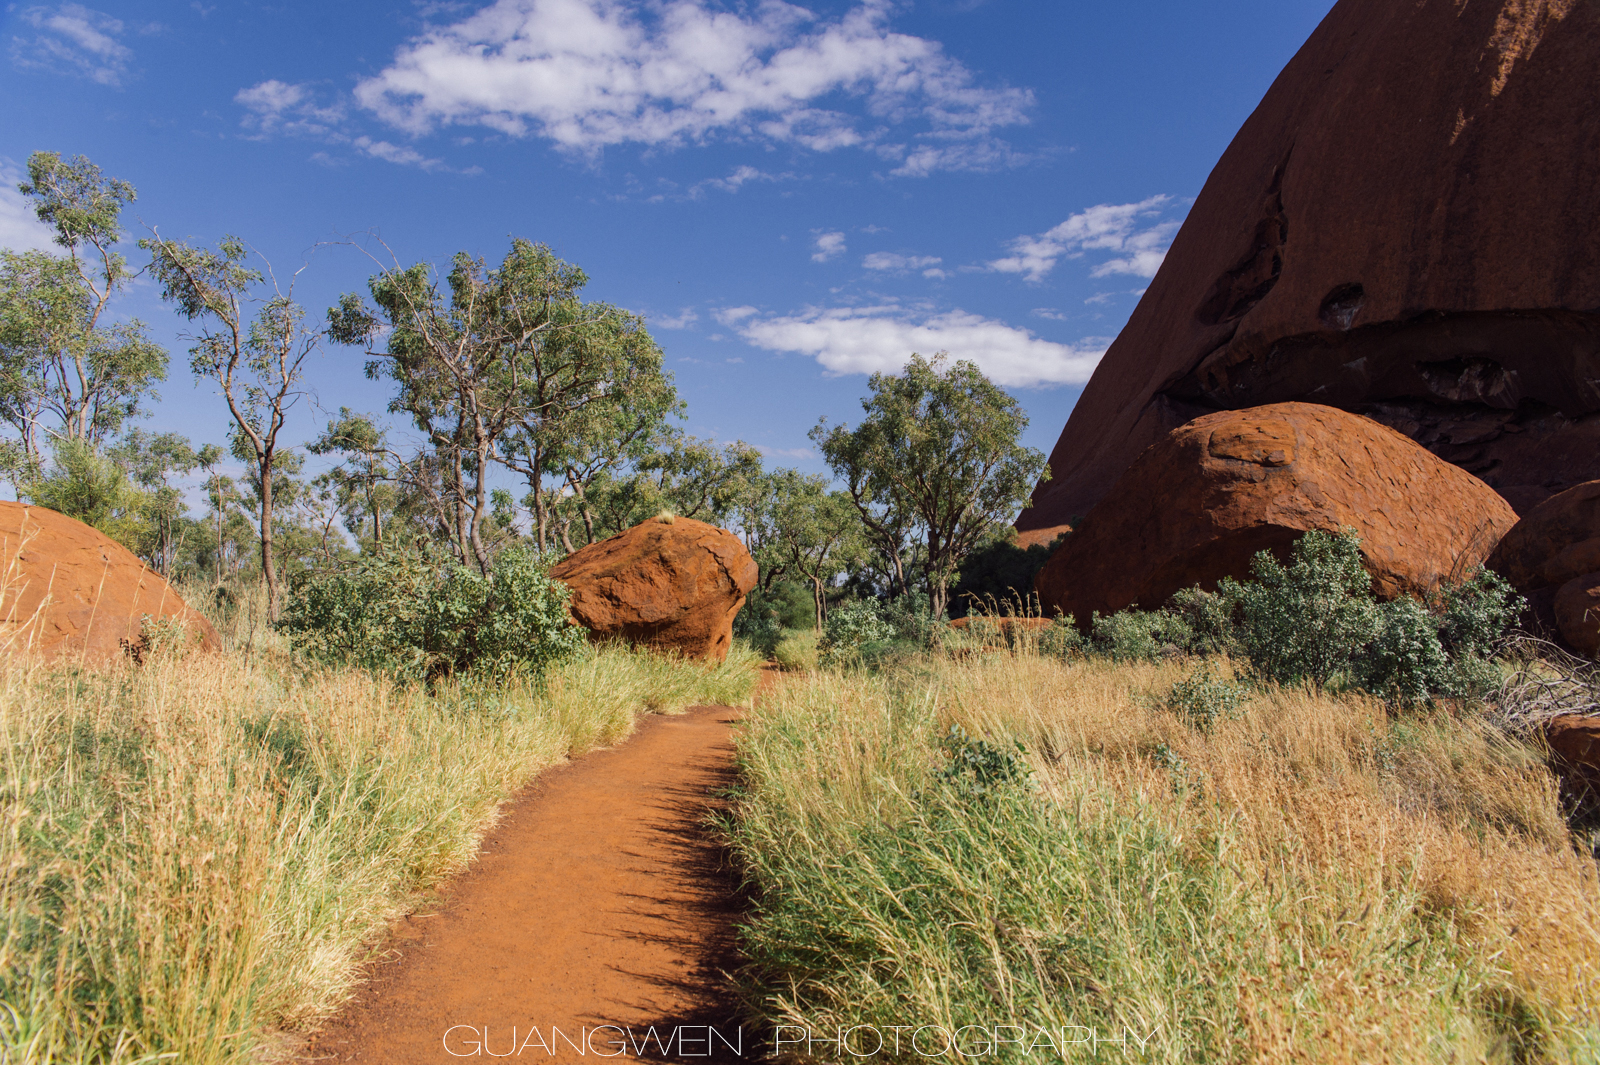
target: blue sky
<point>796,194</point>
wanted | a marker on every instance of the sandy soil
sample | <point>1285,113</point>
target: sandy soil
<point>597,909</point>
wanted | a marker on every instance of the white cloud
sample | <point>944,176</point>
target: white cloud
<point>732,316</point>
<point>682,320</point>
<point>884,260</point>
<point>274,107</point>
<point>881,339</point>
<point>785,452</point>
<point>1048,312</point>
<point>587,74</point>
<point>392,153</point>
<point>739,176</point>
<point>73,39</point>
<point>828,245</point>
<point>20,228</point>
<point>1127,228</point>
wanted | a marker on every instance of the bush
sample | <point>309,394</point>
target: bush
<point>1140,635</point>
<point>1062,639</point>
<point>1208,617</point>
<point>864,628</point>
<point>1202,699</point>
<point>413,617</point>
<point>1306,621</point>
<point>769,612</point>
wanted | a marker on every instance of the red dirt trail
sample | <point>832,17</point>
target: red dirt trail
<point>598,899</point>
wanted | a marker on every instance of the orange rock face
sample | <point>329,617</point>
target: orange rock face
<point>69,591</point>
<point>1195,507</point>
<point>1577,609</point>
<point>1575,751</point>
<point>669,586</point>
<point>1407,227</point>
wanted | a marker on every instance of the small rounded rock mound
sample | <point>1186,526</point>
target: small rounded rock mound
<point>1196,506</point>
<point>67,590</point>
<point>668,585</point>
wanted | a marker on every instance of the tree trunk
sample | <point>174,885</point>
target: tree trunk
<point>269,567</point>
<point>817,599</point>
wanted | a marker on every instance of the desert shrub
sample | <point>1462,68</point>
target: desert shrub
<point>977,767</point>
<point>1209,618</point>
<point>1139,635</point>
<point>863,629</point>
<point>1203,698</point>
<point>1062,639</point>
<point>409,616</point>
<point>1405,662</point>
<point>1306,621</point>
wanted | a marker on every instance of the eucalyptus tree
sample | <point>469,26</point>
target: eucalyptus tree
<point>364,478</point>
<point>937,454</point>
<point>256,362</point>
<point>794,524</point>
<point>482,355</point>
<point>151,459</point>
<point>61,357</point>
<point>598,400</point>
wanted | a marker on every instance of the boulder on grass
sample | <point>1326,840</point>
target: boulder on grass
<point>671,585</point>
<point>1549,556</point>
<point>1574,741</point>
<point>1199,504</point>
<point>69,591</point>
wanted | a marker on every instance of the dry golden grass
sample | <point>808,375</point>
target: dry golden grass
<point>1311,880</point>
<point>196,853</point>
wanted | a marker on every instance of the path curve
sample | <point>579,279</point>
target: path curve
<point>598,900</point>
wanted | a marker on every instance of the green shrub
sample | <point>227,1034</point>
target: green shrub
<point>1139,635</point>
<point>768,613</point>
<point>413,617</point>
<point>1405,662</point>
<point>1062,639</point>
<point>868,628</point>
<point>977,767</point>
<point>1306,621</point>
<point>1203,698</point>
<point>1209,618</point>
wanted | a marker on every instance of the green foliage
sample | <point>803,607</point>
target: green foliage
<point>1063,638</point>
<point>1208,617</point>
<point>57,356</point>
<point>1404,662</point>
<point>84,484</point>
<point>412,617</point>
<point>865,628</point>
<point>796,650</point>
<point>793,525</point>
<point>1307,620</point>
<point>1203,698</point>
<point>771,610</point>
<point>977,768</point>
<point>936,456</point>
<point>998,571</point>
<point>1135,635</point>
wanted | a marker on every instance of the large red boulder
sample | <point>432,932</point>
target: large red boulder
<point>669,585</point>
<point>69,591</point>
<point>1574,741</point>
<point>1196,506</point>
<point>1408,226</point>
<point>1552,556</point>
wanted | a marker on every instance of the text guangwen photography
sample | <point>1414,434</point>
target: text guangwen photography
<point>800,532</point>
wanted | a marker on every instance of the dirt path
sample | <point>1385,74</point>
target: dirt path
<point>597,901</point>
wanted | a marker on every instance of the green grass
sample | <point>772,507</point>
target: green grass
<point>1306,879</point>
<point>199,854</point>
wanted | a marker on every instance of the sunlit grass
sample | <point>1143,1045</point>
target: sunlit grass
<point>202,851</point>
<point>1313,879</point>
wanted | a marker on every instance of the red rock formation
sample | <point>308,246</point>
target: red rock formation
<point>672,586</point>
<point>1548,556</point>
<point>1408,227</point>
<point>1575,753</point>
<point>1577,610</point>
<point>67,590</point>
<point>1195,508</point>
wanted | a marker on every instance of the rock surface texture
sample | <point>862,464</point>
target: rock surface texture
<point>1575,752</point>
<point>1195,507</point>
<point>68,590</point>
<point>1408,227</point>
<point>671,586</point>
<point>1552,556</point>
